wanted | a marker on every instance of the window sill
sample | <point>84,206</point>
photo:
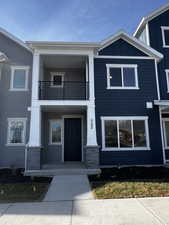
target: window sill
<point>55,144</point>
<point>15,145</point>
<point>165,46</point>
<point>125,149</point>
<point>18,89</point>
<point>123,88</point>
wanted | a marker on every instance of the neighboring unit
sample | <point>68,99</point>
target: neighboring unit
<point>94,105</point>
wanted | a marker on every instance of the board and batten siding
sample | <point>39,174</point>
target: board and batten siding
<point>128,103</point>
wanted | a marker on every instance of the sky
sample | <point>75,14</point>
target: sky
<point>73,20</point>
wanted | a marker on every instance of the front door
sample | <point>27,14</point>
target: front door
<point>72,139</point>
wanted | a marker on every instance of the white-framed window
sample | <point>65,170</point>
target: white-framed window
<point>125,133</point>
<point>167,79</point>
<point>166,132</point>
<point>165,36</point>
<point>16,131</point>
<point>19,78</point>
<point>55,132</point>
<point>122,76</point>
<point>57,79</point>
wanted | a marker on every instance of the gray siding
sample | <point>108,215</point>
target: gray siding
<point>13,103</point>
<point>51,154</point>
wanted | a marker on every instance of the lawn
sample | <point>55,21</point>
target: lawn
<point>17,188</point>
<point>131,183</point>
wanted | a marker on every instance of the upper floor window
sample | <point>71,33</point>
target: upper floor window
<point>19,78</point>
<point>125,133</point>
<point>16,131</point>
<point>122,76</point>
<point>57,79</point>
<point>165,36</point>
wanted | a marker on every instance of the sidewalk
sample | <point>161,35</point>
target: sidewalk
<point>148,211</point>
<point>69,187</point>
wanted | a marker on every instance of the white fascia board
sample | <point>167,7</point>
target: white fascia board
<point>15,39</point>
<point>133,41</point>
<point>46,44</point>
<point>149,17</point>
<point>161,102</point>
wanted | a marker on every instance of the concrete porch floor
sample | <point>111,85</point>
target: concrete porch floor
<point>66,168</point>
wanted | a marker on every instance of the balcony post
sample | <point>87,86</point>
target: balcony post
<point>35,76</point>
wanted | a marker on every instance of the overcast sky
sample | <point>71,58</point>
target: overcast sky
<point>73,20</point>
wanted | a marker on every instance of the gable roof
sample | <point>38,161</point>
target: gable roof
<point>134,42</point>
<point>15,39</point>
<point>149,17</point>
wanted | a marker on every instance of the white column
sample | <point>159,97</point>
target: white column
<point>91,121</point>
<point>91,126</point>
<point>35,127</point>
<point>35,76</point>
<point>35,120</point>
<point>91,77</point>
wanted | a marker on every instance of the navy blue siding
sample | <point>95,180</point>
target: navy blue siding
<point>124,47</point>
<point>157,43</point>
<point>128,103</point>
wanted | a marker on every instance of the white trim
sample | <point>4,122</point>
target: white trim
<point>163,29</point>
<point>13,68</point>
<point>108,66</point>
<point>115,118</point>
<point>62,74</point>
<point>24,131</point>
<point>149,17</point>
<point>122,57</point>
<point>50,131</point>
<point>15,39</point>
<point>167,79</point>
<point>147,34</point>
<point>157,81</point>
<point>82,147</point>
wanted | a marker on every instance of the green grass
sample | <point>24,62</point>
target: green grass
<point>130,189</point>
<point>22,192</point>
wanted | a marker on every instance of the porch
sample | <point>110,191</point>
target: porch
<point>66,168</point>
<point>64,133</point>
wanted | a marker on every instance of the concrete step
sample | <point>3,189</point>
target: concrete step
<point>55,172</point>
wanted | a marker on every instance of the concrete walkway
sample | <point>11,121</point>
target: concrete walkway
<point>69,187</point>
<point>153,211</point>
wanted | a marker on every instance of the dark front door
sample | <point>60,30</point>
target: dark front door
<point>72,139</point>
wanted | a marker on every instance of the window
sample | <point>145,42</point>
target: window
<point>55,132</point>
<point>19,78</point>
<point>167,79</point>
<point>165,36</point>
<point>16,131</point>
<point>166,132</point>
<point>122,76</point>
<point>125,133</point>
<point>57,79</point>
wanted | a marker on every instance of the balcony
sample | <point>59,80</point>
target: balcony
<point>69,90</point>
